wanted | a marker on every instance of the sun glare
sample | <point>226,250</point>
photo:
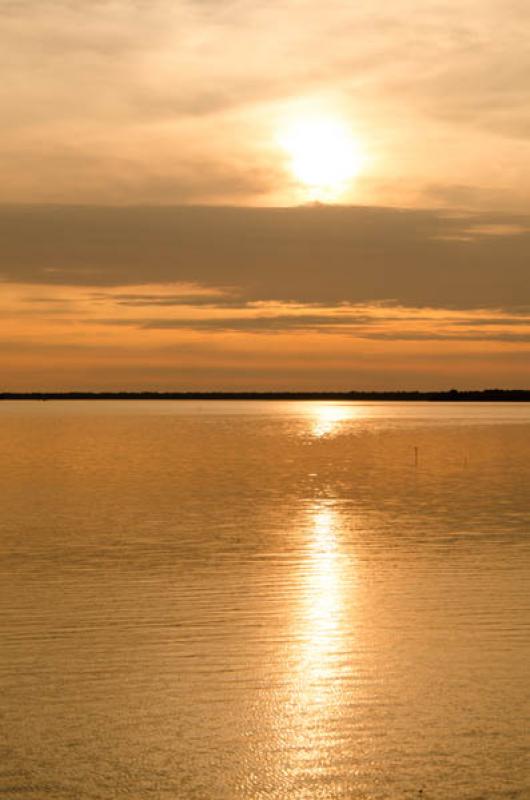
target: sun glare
<point>324,156</point>
<point>327,419</point>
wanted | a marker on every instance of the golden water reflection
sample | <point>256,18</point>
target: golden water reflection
<point>327,591</point>
<point>328,418</point>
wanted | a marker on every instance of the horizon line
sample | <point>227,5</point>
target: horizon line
<point>454,395</point>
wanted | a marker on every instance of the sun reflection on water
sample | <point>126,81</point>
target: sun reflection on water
<point>323,607</point>
<point>328,418</point>
<point>320,665</point>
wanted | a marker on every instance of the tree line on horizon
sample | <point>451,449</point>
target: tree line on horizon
<point>454,395</point>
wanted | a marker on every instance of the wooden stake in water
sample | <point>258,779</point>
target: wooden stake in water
<point>416,454</point>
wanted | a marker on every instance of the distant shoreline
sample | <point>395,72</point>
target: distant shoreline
<point>452,396</point>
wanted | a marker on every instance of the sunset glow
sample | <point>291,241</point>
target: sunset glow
<point>257,196</point>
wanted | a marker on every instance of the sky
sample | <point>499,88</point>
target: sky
<point>264,195</point>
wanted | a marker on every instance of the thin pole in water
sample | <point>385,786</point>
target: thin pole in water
<point>416,456</point>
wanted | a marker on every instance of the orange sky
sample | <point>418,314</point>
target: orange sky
<point>160,163</point>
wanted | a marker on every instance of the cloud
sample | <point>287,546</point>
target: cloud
<point>274,323</point>
<point>309,255</point>
<point>141,300</point>
<point>356,327</point>
<point>124,102</point>
<point>129,336</point>
<point>434,336</point>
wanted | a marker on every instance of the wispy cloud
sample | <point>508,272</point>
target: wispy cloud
<point>118,103</point>
<point>81,338</point>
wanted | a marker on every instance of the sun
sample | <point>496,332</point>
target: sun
<point>323,154</point>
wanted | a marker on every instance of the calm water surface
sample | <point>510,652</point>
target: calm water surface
<point>267,600</point>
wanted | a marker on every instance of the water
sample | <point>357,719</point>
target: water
<point>250,601</point>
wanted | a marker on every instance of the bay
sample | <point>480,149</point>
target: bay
<point>246,600</point>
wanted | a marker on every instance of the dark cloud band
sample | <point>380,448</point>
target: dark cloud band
<point>320,254</point>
